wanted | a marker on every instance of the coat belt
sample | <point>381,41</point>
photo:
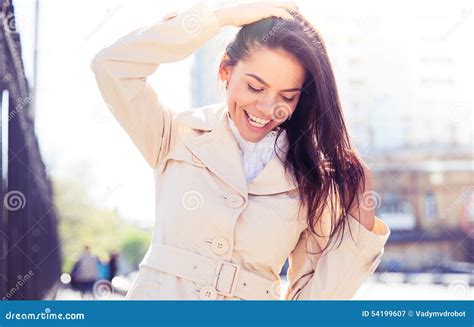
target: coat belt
<point>227,278</point>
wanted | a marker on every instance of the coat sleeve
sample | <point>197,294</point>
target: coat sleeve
<point>121,71</point>
<point>338,272</point>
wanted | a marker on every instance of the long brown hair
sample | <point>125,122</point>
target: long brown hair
<point>320,156</point>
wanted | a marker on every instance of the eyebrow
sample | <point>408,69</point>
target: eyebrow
<point>266,84</point>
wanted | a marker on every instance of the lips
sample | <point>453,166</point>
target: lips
<point>256,121</point>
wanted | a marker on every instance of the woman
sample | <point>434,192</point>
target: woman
<point>242,185</point>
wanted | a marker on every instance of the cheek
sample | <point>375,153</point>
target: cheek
<point>240,94</point>
<point>236,98</point>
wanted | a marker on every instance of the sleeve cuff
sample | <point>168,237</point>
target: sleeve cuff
<point>380,227</point>
<point>369,243</point>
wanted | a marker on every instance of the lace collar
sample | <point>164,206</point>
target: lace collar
<point>255,155</point>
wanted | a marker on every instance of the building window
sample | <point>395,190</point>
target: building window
<point>430,206</point>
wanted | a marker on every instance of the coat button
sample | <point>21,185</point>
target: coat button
<point>208,293</point>
<point>219,245</point>
<point>234,201</point>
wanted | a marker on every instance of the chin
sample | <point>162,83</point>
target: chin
<point>253,138</point>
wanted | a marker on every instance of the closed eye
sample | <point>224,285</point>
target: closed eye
<point>254,90</point>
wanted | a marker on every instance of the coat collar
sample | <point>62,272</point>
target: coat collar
<point>218,149</point>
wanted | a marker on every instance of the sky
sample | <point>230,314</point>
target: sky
<point>80,140</point>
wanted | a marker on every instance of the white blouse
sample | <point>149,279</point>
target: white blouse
<point>255,155</point>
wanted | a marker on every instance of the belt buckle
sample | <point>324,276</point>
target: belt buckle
<point>231,290</point>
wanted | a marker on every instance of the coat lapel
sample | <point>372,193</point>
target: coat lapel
<point>219,151</point>
<point>272,179</point>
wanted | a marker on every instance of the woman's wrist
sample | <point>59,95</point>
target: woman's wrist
<point>221,16</point>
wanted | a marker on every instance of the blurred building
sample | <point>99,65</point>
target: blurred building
<point>403,85</point>
<point>428,201</point>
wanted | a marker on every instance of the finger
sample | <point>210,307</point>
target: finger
<point>282,13</point>
<point>288,5</point>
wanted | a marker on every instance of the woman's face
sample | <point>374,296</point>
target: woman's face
<point>263,91</point>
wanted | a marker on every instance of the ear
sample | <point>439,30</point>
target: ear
<point>225,71</point>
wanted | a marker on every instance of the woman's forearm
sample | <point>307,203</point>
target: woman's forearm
<point>122,68</point>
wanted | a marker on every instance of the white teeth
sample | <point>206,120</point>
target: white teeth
<point>256,121</point>
<point>255,124</point>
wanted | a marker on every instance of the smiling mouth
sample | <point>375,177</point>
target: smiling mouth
<point>256,121</point>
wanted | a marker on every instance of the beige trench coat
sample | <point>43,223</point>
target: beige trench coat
<point>215,236</point>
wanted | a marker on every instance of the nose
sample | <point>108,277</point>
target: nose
<point>265,107</point>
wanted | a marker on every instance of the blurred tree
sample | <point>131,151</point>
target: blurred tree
<point>132,246</point>
<point>83,222</point>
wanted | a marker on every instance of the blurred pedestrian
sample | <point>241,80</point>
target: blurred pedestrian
<point>113,265</point>
<point>85,272</point>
